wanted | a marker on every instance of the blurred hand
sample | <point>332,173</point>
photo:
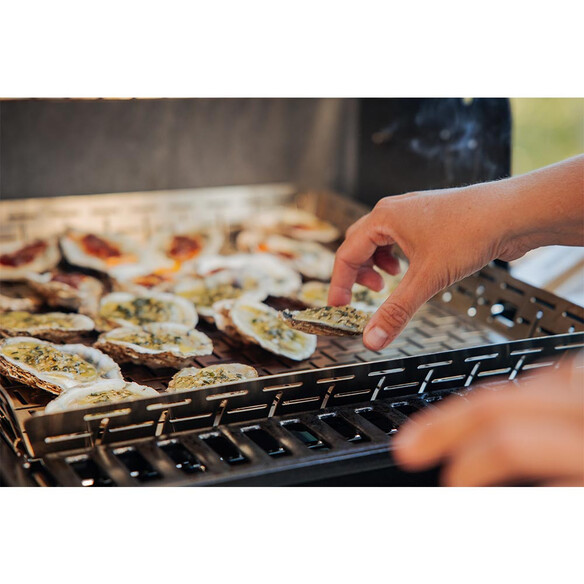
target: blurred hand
<point>449,234</point>
<point>528,432</point>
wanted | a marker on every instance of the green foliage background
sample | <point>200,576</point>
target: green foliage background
<point>545,130</point>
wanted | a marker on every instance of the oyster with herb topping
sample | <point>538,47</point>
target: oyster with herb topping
<point>126,309</point>
<point>155,345</point>
<point>329,320</point>
<point>54,368</point>
<point>193,378</point>
<point>260,324</point>
<point>99,394</point>
<point>59,327</point>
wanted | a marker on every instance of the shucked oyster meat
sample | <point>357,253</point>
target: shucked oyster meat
<point>155,345</point>
<point>50,326</point>
<point>54,368</point>
<point>126,309</point>
<point>193,378</point>
<point>260,324</point>
<point>98,394</point>
<point>328,320</point>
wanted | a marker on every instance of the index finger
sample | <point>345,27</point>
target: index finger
<point>356,250</point>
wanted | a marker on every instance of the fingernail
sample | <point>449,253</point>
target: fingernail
<point>377,338</point>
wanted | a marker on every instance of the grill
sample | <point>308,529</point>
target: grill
<point>327,420</point>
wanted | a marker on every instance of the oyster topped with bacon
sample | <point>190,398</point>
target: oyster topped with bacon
<point>18,260</point>
<point>59,327</point>
<point>127,309</point>
<point>98,394</point>
<point>328,320</point>
<point>155,345</point>
<point>259,324</point>
<point>185,248</point>
<point>54,368</point>
<point>193,378</point>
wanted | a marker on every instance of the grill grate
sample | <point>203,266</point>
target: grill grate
<point>343,404</point>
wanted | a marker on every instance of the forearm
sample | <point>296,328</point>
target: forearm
<point>544,207</point>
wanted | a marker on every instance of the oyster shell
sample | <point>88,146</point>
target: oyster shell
<point>155,345</point>
<point>329,320</point>
<point>193,378</point>
<point>72,290</point>
<point>184,248</point>
<point>19,296</point>
<point>277,278</point>
<point>17,260</point>
<point>58,327</point>
<point>223,285</point>
<point>98,394</point>
<point>111,253</point>
<point>54,368</point>
<point>311,259</point>
<point>127,309</point>
<point>260,324</point>
<point>295,223</point>
<point>315,294</point>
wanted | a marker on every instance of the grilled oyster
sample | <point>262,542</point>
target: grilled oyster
<point>126,309</point>
<point>315,294</point>
<point>329,320</point>
<point>275,277</point>
<point>72,290</point>
<point>155,345</point>
<point>193,378</point>
<point>186,247</point>
<point>17,260</point>
<point>311,259</point>
<point>19,296</point>
<point>98,394</point>
<point>295,223</point>
<point>58,327</point>
<point>138,283</point>
<point>260,324</point>
<point>224,285</point>
<point>54,368</point>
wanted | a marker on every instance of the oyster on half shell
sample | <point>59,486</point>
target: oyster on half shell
<point>59,327</point>
<point>99,393</point>
<point>72,290</point>
<point>259,324</point>
<point>329,320</point>
<point>310,258</point>
<point>18,260</point>
<point>127,309</point>
<point>54,368</point>
<point>18,296</point>
<point>193,378</point>
<point>155,345</point>
<point>295,223</point>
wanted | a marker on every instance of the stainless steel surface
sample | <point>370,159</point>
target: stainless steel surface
<point>486,308</point>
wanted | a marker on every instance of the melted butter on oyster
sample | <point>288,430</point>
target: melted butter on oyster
<point>192,378</point>
<point>47,359</point>
<point>21,320</point>
<point>328,320</point>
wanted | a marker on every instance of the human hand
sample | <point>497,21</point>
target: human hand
<point>530,432</point>
<point>451,233</point>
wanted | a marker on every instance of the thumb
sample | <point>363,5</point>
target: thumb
<point>394,314</point>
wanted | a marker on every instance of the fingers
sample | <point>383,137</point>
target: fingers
<point>384,259</point>
<point>367,276</point>
<point>440,430</point>
<point>518,452</point>
<point>395,313</point>
<point>353,253</point>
